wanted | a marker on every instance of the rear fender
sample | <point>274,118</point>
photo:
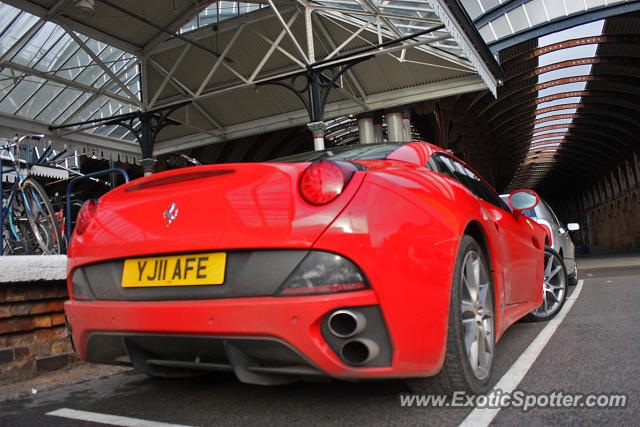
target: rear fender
<point>405,239</point>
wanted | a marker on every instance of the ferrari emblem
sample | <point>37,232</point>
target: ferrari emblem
<point>170,214</point>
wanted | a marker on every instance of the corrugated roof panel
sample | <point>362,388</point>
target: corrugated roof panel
<point>244,106</point>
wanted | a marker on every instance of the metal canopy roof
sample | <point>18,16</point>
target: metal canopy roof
<point>125,56</point>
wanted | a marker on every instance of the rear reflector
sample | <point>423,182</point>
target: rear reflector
<point>323,273</point>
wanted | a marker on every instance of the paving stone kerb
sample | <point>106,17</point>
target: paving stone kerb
<point>30,268</point>
<point>33,336</point>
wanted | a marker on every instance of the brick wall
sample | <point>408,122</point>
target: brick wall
<point>33,335</point>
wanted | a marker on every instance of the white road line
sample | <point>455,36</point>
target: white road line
<point>114,420</point>
<point>482,417</point>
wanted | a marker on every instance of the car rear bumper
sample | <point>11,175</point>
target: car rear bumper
<point>258,338</point>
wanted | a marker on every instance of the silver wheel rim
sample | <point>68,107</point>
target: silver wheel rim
<point>554,286</point>
<point>477,315</point>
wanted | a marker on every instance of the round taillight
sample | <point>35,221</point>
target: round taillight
<point>322,182</point>
<point>87,211</point>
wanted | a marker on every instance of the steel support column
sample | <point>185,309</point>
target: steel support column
<point>317,131</point>
<point>406,123</point>
<point>395,127</point>
<point>365,128</point>
<point>378,130</point>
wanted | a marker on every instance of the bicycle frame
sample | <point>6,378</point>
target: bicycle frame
<point>15,168</point>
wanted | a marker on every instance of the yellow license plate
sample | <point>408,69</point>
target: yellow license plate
<point>174,270</point>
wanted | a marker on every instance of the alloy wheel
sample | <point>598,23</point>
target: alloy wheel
<point>554,286</point>
<point>477,315</point>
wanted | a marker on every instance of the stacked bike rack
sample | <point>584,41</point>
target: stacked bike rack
<point>34,170</point>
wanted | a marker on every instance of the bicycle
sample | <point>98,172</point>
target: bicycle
<point>29,223</point>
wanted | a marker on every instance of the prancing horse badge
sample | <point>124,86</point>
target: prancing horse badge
<point>170,214</point>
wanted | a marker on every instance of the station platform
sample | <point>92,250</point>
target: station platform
<point>30,268</point>
<point>607,259</point>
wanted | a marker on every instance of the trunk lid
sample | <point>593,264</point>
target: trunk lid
<point>214,207</point>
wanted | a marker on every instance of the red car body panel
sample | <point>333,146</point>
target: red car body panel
<point>254,205</point>
<point>399,222</point>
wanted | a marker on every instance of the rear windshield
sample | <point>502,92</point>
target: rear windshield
<point>349,152</point>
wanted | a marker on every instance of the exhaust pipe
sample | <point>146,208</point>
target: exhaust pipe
<point>346,323</point>
<point>359,351</point>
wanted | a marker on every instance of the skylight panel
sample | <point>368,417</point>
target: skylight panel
<point>561,101</point>
<point>20,94</point>
<point>578,70</point>
<point>536,12</point>
<point>77,103</point>
<point>62,102</point>
<point>220,11</point>
<point>15,31</point>
<point>576,52</point>
<point>36,103</point>
<point>7,15</point>
<point>545,132</point>
<point>554,122</point>
<point>551,138</point>
<point>58,54</point>
<point>38,46</point>
<point>473,8</point>
<point>590,29</point>
<point>567,87</point>
<point>555,113</point>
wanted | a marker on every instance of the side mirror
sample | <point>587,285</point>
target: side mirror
<point>573,226</point>
<point>521,200</point>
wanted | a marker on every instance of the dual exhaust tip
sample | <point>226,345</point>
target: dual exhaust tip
<point>347,324</point>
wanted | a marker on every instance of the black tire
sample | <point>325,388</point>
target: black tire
<point>458,372</point>
<point>573,279</point>
<point>554,287</point>
<point>44,224</point>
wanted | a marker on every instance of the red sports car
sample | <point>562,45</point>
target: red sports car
<point>365,261</point>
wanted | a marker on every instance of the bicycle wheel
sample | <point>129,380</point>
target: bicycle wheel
<point>16,231</point>
<point>42,219</point>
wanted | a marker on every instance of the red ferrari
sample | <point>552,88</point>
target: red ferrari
<point>357,262</point>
